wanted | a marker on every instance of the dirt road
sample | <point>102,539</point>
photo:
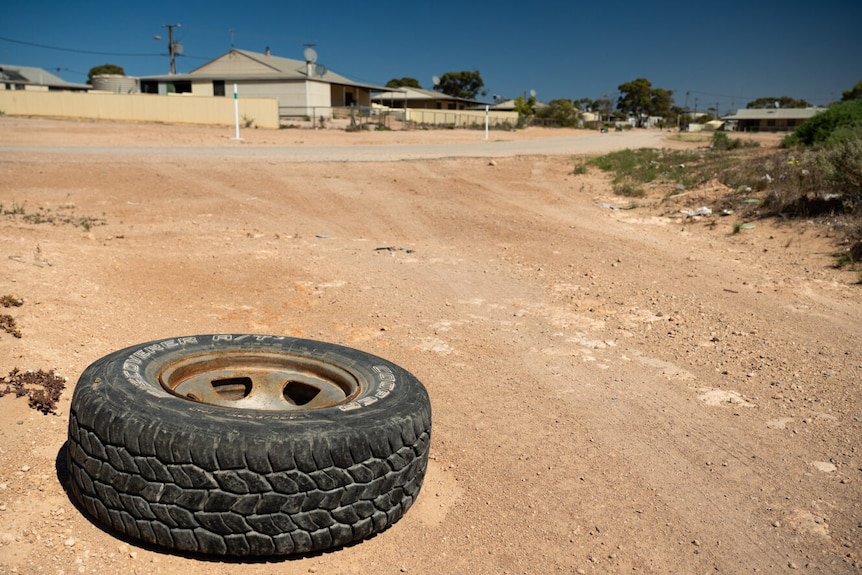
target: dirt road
<point>614,391</point>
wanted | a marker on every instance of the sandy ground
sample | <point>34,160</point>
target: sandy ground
<point>614,391</point>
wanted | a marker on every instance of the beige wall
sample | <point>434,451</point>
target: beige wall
<point>318,94</point>
<point>174,109</point>
<point>458,117</point>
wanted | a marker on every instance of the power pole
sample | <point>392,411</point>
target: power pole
<point>171,47</point>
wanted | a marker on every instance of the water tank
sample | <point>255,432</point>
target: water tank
<point>116,84</point>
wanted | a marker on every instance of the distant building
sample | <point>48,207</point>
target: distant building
<point>419,98</point>
<point>509,105</point>
<point>770,119</point>
<point>301,87</point>
<point>37,79</point>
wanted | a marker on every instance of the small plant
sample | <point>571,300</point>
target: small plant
<point>629,190</point>
<point>15,210</point>
<point>63,215</point>
<point>579,170</point>
<point>720,141</point>
<point>7,324</point>
<point>843,259</point>
<point>11,301</point>
<point>43,388</point>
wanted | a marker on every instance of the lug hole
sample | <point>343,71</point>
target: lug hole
<point>232,388</point>
<point>299,393</point>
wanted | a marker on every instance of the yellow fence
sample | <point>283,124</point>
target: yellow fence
<point>175,109</point>
<point>459,118</point>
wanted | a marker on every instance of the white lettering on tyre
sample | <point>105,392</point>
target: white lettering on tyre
<point>385,385</point>
<point>132,364</point>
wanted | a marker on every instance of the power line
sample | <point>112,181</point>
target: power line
<point>76,51</point>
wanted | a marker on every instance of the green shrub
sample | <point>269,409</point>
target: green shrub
<point>633,168</point>
<point>721,141</point>
<point>839,123</point>
<point>629,190</point>
<point>841,166</point>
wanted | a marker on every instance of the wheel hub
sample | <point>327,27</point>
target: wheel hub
<point>259,381</point>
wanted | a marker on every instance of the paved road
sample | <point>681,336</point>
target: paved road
<point>580,144</point>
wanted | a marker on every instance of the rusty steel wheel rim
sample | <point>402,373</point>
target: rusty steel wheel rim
<point>259,381</point>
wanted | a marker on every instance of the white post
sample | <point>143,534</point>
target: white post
<point>486,122</point>
<point>236,112</point>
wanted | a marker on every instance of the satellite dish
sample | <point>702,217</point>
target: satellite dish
<point>310,54</point>
<point>320,69</point>
<point>436,80</point>
<point>532,93</point>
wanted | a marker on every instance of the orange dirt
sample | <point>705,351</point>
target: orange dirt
<point>614,391</point>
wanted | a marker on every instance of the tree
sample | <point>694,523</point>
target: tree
<point>403,83</point>
<point>603,107</point>
<point>661,102</point>
<point>854,94</point>
<point>583,104</point>
<point>838,123</point>
<point>104,69</point>
<point>639,99</point>
<point>463,84</point>
<point>783,102</point>
<point>563,112</point>
<point>525,107</point>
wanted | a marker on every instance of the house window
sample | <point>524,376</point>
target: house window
<point>218,87</point>
<point>349,99</point>
<point>183,87</point>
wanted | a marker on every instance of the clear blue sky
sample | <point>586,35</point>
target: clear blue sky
<point>724,53</point>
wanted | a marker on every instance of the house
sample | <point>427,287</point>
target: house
<point>35,79</point>
<point>302,87</point>
<point>510,105</point>
<point>770,119</point>
<point>419,98</point>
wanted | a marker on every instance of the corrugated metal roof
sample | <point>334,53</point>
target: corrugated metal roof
<point>510,105</point>
<point>419,94</point>
<point>774,114</point>
<point>35,76</point>
<point>267,67</point>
